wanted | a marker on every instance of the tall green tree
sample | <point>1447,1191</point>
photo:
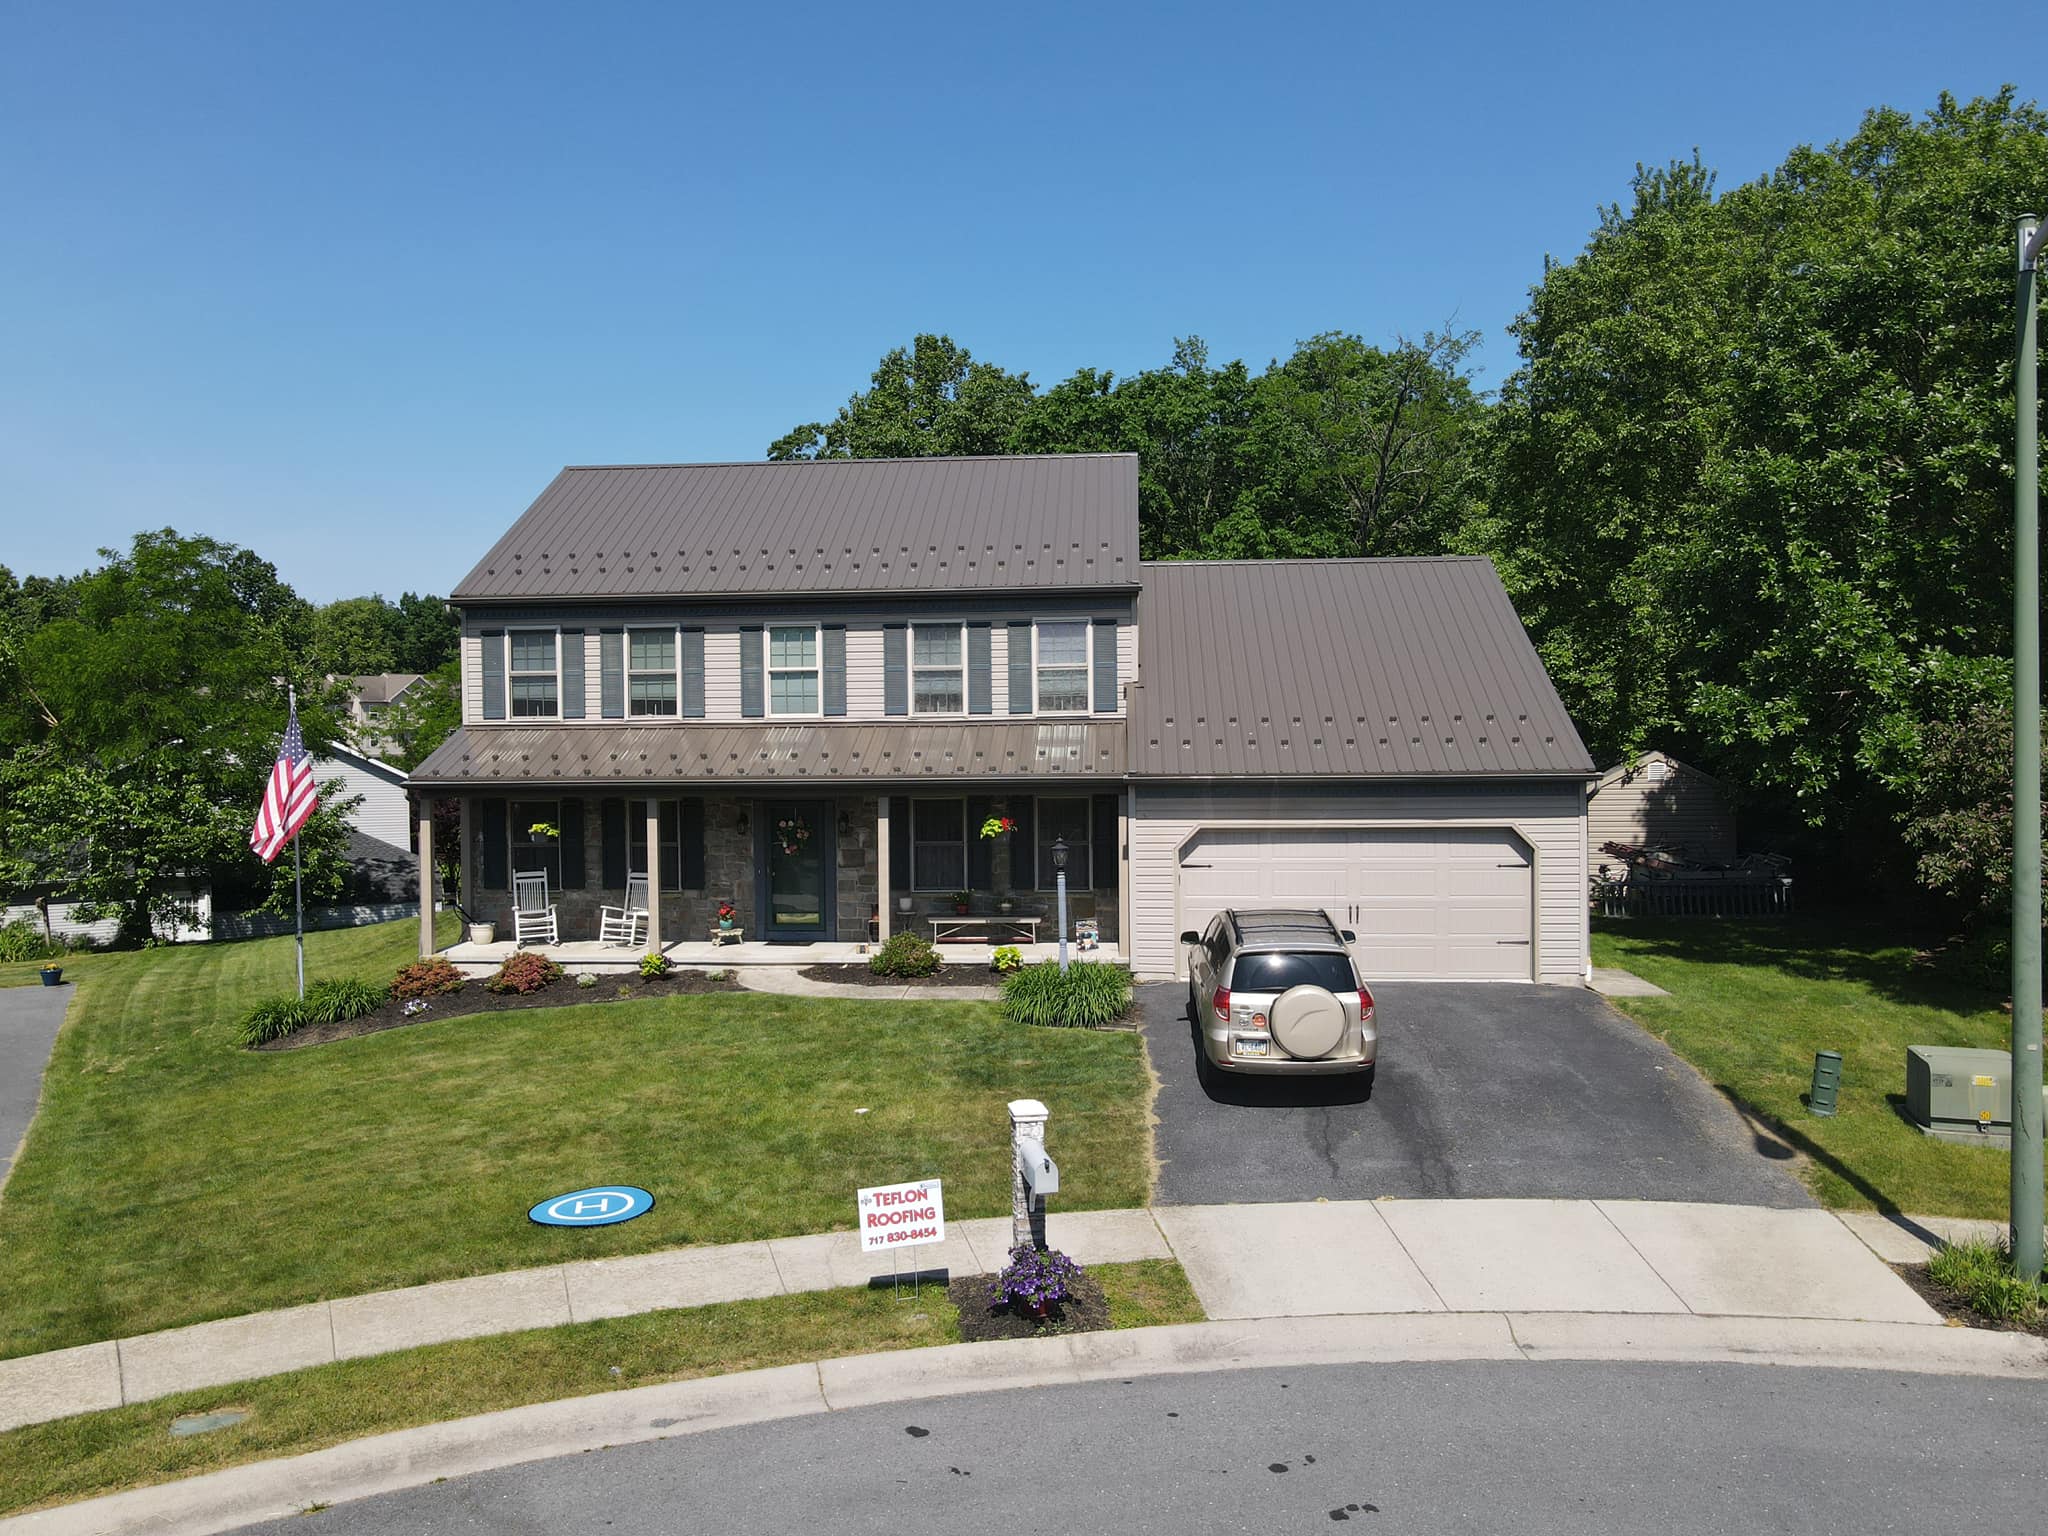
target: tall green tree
<point>930,399</point>
<point>142,723</point>
<point>1752,492</point>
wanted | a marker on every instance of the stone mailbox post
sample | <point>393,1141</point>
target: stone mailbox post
<point>1027,1133</point>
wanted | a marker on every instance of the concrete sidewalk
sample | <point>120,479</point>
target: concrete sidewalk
<point>1244,1261</point>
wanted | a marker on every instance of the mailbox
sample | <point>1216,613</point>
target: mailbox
<point>1041,1173</point>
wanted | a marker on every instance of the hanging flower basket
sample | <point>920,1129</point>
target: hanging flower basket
<point>999,826</point>
<point>791,833</point>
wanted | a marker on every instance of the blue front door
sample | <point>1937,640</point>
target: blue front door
<point>794,870</point>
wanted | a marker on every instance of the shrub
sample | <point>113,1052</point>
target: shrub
<point>524,971</point>
<point>427,978</point>
<point>1087,995</point>
<point>22,939</point>
<point>1980,1275</point>
<point>905,954</point>
<point>1006,959</point>
<point>273,1019</point>
<point>653,967</point>
<point>330,1002</point>
<point>1036,1278</point>
<point>587,980</point>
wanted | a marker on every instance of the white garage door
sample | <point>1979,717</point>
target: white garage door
<point>1431,904</point>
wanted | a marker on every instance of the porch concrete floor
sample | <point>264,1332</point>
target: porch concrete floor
<point>589,955</point>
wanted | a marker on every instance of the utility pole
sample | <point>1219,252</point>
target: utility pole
<point>2026,775</point>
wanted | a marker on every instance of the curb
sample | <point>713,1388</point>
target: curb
<point>268,1490</point>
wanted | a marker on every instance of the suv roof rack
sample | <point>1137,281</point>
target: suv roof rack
<point>1283,925</point>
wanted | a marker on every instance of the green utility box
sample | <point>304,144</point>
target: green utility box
<point>1960,1094</point>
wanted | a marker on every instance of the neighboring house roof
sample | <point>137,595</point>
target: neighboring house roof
<point>825,525</point>
<point>391,773</point>
<point>383,687</point>
<point>480,756</point>
<point>1630,767</point>
<point>379,871</point>
<point>1341,669</point>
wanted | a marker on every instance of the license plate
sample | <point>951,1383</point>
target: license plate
<point>1253,1047</point>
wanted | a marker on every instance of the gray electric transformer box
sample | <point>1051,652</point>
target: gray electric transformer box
<point>1960,1094</point>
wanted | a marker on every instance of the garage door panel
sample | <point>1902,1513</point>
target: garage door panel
<point>1432,903</point>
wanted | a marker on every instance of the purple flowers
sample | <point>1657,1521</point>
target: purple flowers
<point>1036,1279</point>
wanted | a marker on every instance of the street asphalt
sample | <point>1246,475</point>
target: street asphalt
<point>1498,1091</point>
<point>29,1017</point>
<point>1570,1449</point>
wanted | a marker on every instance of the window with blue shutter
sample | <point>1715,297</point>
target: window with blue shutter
<point>895,669</point>
<point>752,691</point>
<point>493,673</point>
<point>1105,666</point>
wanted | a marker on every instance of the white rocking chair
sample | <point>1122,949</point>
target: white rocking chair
<point>628,924</point>
<point>533,915</point>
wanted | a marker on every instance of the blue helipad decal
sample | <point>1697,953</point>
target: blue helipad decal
<point>599,1207</point>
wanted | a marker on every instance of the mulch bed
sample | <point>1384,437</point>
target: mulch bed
<point>1087,1311</point>
<point>944,976</point>
<point>473,998</point>
<point>1953,1309</point>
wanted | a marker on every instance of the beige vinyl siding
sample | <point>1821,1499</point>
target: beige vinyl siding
<point>721,672</point>
<point>1549,817</point>
<point>863,671</point>
<point>1686,810</point>
<point>472,679</point>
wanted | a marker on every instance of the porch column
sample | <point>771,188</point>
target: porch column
<point>423,808</point>
<point>882,898</point>
<point>653,875</point>
<point>1123,874</point>
<point>467,851</point>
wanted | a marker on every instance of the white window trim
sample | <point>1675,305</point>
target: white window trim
<point>959,628</point>
<point>769,669</point>
<point>1087,668</point>
<point>1051,876</point>
<point>511,676</point>
<point>915,801</point>
<point>675,674</point>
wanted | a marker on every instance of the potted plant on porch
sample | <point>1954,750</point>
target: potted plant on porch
<point>961,901</point>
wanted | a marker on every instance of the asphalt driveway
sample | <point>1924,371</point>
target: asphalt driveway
<point>29,1017</point>
<point>1497,1091</point>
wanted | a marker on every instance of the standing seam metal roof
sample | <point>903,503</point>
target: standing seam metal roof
<point>1340,669</point>
<point>822,525</point>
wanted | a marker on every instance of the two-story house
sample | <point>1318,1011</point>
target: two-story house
<point>808,686</point>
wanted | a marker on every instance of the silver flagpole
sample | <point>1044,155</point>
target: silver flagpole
<point>298,889</point>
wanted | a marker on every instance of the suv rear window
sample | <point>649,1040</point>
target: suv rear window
<point>1275,972</point>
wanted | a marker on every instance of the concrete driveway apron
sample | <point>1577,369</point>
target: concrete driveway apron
<point>1483,1090</point>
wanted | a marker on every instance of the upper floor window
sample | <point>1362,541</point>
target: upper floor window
<point>536,683</point>
<point>1063,666</point>
<point>937,680</point>
<point>793,669</point>
<point>650,671</point>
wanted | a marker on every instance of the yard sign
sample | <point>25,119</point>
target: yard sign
<point>901,1215</point>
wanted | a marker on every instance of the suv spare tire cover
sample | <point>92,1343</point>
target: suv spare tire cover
<point>1308,1022</point>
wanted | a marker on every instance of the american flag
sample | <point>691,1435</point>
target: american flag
<point>289,798</point>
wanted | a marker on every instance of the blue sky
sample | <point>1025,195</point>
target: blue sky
<point>347,283</point>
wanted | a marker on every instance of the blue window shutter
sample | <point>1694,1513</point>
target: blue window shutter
<point>572,676</point>
<point>1020,669</point>
<point>572,845</point>
<point>611,668</point>
<point>895,669</point>
<point>494,673</point>
<point>692,833</point>
<point>1024,844</point>
<point>1102,842</point>
<point>899,847</point>
<point>980,666</point>
<point>612,824</point>
<point>834,658</point>
<point>693,674</point>
<point>1105,666</point>
<point>980,850</point>
<point>497,852</point>
<point>752,685</point>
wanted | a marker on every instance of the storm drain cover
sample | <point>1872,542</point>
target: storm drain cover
<point>200,1423</point>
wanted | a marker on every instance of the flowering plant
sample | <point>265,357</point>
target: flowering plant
<point>727,911</point>
<point>791,833</point>
<point>414,1007</point>
<point>999,826</point>
<point>1037,1278</point>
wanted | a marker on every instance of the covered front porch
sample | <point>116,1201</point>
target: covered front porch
<point>810,879</point>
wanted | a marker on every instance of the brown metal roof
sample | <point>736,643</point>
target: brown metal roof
<point>485,755</point>
<point>828,525</point>
<point>1342,669</point>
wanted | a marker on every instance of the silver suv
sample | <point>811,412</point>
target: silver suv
<point>1276,992</point>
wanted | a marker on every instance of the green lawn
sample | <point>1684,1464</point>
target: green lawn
<point>29,973</point>
<point>171,1177</point>
<point>1752,1001</point>
<point>96,1453</point>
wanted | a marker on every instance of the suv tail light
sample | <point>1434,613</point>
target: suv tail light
<point>1222,1005</point>
<point>1365,1002</point>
